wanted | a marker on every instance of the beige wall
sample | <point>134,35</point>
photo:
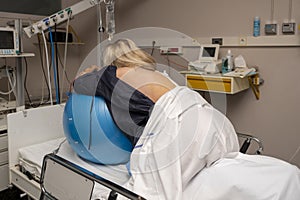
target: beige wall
<point>275,117</point>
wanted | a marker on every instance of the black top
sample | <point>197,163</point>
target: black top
<point>129,108</point>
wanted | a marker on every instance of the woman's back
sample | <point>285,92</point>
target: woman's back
<point>151,83</point>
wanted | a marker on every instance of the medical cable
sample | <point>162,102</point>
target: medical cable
<point>65,55</point>
<point>48,67</point>
<point>153,47</point>
<point>170,61</point>
<point>294,155</point>
<point>169,66</point>
<point>59,146</point>
<point>12,84</point>
<point>43,86</point>
<point>25,87</point>
<point>90,128</point>
<point>44,75</point>
<point>62,66</point>
<point>54,67</point>
<point>33,105</point>
<point>14,91</point>
<point>56,62</point>
<point>43,70</point>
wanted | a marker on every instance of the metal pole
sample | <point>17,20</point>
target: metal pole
<point>20,100</point>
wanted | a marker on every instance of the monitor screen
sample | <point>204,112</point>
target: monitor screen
<point>209,52</point>
<point>7,40</point>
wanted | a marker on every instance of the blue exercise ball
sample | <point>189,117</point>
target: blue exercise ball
<point>92,133</point>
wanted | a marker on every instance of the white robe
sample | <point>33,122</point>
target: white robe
<point>183,135</point>
<point>189,150</point>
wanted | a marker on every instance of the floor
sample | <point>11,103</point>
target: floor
<point>12,194</point>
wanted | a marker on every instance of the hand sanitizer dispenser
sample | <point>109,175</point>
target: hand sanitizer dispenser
<point>229,57</point>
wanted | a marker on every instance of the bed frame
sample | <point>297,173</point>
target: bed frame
<point>26,128</point>
<point>39,125</point>
<point>55,186</point>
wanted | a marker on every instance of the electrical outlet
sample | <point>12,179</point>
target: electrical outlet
<point>288,28</point>
<point>217,41</point>
<point>243,41</point>
<point>270,29</point>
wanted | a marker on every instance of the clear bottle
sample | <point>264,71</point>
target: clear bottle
<point>229,58</point>
<point>256,26</point>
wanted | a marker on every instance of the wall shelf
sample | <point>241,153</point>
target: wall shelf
<point>18,55</point>
<point>223,84</point>
<point>216,83</point>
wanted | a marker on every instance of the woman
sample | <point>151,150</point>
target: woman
<point>129,83</point>
<point>182,135</point>
<point>188,148</point>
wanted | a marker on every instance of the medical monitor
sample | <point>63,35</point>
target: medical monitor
<point>9,41</point>
<point>209,52</point>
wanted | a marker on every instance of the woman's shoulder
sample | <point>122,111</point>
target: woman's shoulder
<point>99,72</point>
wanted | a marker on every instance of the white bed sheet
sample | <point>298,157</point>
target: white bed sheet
<point>247,176</point>
<point>31,159</point>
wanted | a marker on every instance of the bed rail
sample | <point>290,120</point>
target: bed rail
<point>85,179</point>
<point>247,142</point>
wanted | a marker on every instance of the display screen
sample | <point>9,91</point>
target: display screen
<point>209,52</point>
<point>6,40</point>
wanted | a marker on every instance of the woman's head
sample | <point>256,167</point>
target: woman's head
<point>124,53</point>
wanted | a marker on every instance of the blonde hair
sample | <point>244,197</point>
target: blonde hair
<point>124,53</point>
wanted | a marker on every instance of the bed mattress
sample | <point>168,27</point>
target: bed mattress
<point>247,176</point>
<point>31,160</point>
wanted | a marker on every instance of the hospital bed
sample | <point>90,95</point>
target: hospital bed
<point>34,135</point>
<point>44,166</point>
